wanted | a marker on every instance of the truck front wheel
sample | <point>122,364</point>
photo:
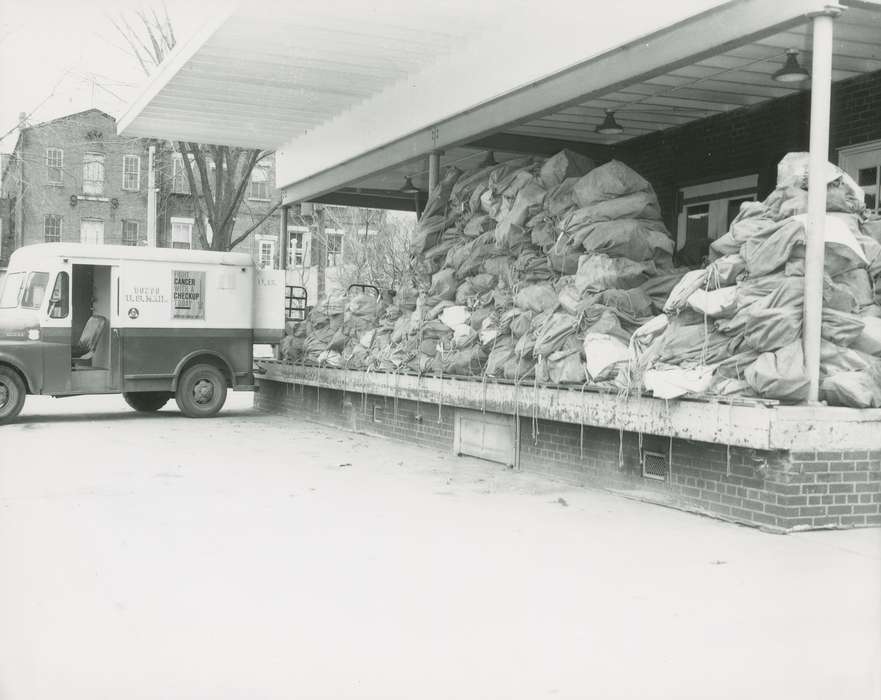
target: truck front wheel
<point>147,401</point>
<point>201,391</point>
<point>12,394</point>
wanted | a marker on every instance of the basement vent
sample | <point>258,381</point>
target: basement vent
<point>654,466</point>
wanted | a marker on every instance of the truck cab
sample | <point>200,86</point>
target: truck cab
<point>149,323</point>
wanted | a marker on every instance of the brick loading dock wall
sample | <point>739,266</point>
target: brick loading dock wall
<point>778,490</point>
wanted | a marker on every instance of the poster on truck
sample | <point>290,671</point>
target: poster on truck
<point>189,294</point>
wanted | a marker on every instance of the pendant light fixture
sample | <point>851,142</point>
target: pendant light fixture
<point>792,71</point>
<point>609,125</point>
<point>409,187</point>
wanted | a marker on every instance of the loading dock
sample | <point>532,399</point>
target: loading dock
<point>692,91</point>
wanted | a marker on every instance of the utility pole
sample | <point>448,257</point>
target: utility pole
<point>321,250</point>
<point>151,196</point>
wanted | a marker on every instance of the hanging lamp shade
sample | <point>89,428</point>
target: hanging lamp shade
<point>609,125</point>
<point>792,71</point>
<point>409,187</point>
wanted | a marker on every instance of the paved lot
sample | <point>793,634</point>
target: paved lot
<point>254,557</point>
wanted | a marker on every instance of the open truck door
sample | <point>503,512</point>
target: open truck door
<point>269,306</point>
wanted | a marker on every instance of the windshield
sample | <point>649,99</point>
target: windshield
<point>34,290</point>
<point>10,290</point>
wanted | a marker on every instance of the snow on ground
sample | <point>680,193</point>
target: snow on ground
<point>257,557</point>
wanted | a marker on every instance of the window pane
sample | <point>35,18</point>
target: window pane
<point>181,234</point>
<point>11,289</point>
<point>179,182</point>
<point>55,164</point>
<point>35,290</point>
<point>872,201</point>
<point>52,228</point>
<point>59,302</point>
<point>131,172</point>
<point>697,234</point>
<point>334,249</point>
<point>93,173</point>
<point>867,176</point>
<point>130,233</point>
<point>734,209</point>
<point>295,251</point>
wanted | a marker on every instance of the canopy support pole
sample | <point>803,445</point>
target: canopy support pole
<point>433,170</point>
<point>821,94</point>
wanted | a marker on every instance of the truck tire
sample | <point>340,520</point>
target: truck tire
<point>147,401</point>
<point>12,394</point>
<point>201,391</point>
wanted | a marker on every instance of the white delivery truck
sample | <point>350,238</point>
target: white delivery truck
<point>149,323</point>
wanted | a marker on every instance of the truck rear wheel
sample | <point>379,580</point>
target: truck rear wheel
<point>12,394</point>
<point>147,401</point>
<point>201,391</point>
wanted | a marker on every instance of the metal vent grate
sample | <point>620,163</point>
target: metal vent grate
<point>654,466</point>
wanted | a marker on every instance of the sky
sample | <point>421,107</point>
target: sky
<point>58,57</point>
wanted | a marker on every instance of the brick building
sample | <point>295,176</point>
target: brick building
<point>74,179</point>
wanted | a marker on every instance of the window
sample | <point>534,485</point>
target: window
<point>179,182</point>
<point>34,291</point>
<point>706,212</point>
<point>266,253</point>
<point>259,183</point>
<point>11,290</point>
<point>130,233</point>
<point>334,248</point>
<point>55,165</point>
<point>181,233</point>
<point>92,231</point>
<point>297,239</point>
<point>59,302</point>
<point>52,228</point>
<point>131,173</point>
<point>863,164</point>
<point>93,173</point>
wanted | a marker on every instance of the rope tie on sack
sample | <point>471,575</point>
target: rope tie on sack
<point>639,437</point>
<point>364,390</point>
<point>535,409</point>
<point>714,277</point>
<point>581,423</point>
<point>440,401</point>
<point>396,395</point>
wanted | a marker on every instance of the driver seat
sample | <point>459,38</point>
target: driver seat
<point>84,350</point>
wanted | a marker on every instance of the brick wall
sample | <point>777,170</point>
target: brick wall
<point>777,490</point>
<point>751,140</point>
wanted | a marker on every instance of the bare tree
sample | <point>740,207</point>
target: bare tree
<point>375,246</point>
<point>218,176</point>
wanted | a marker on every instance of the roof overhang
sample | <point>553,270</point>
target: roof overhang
<point>352,96</point>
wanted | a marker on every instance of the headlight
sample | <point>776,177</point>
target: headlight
<point>33,333</point>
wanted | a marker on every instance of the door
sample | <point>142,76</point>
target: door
<point>55,332</point>
<point>269,306</point>
<point>863,164</point>
<point>92,231</point>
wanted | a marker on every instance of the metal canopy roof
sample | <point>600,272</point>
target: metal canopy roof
<point>353,96</point>
<point>259,74</point>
